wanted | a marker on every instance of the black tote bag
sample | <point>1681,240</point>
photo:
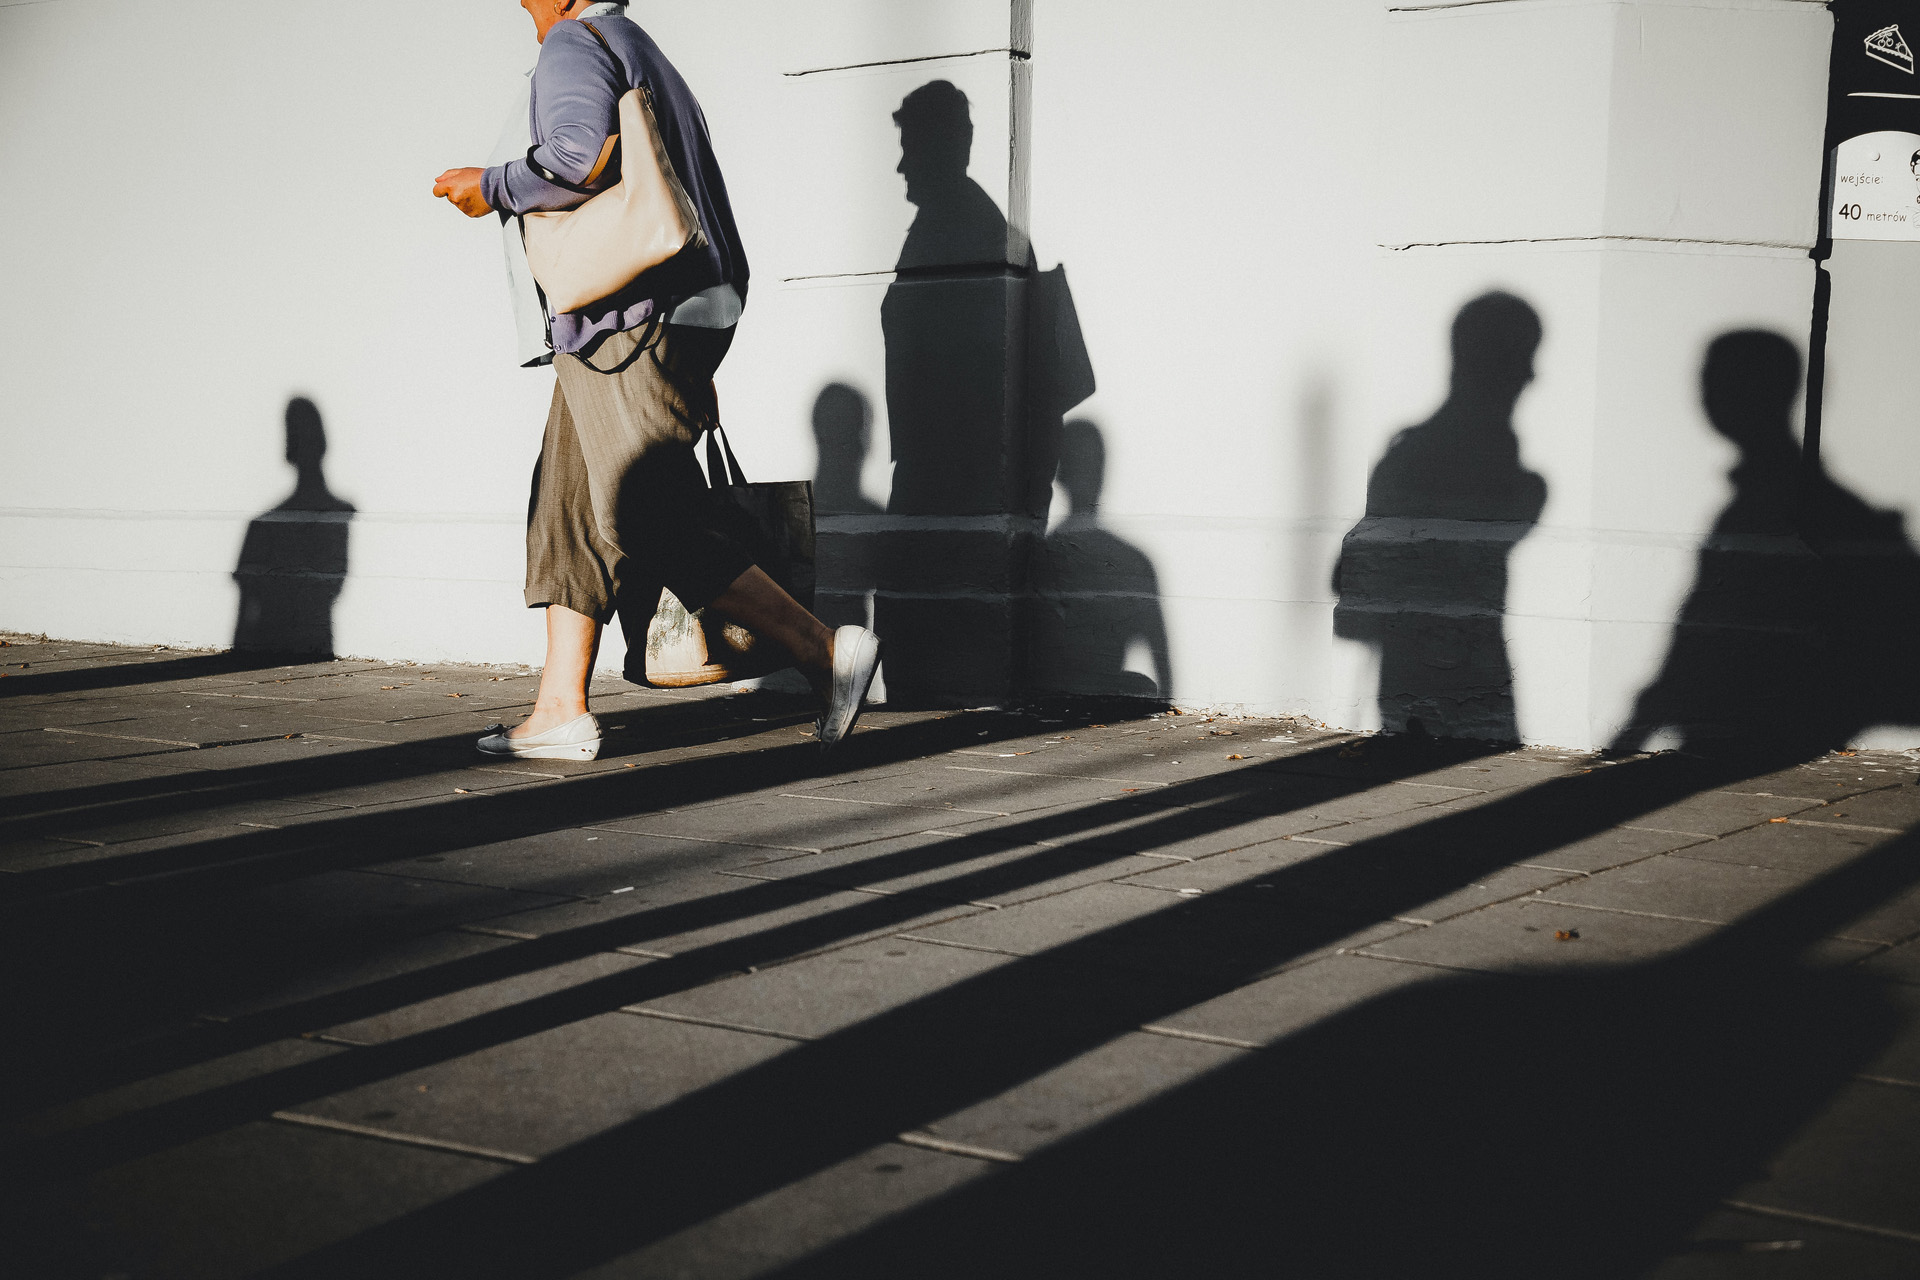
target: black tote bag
<point>773,523</point>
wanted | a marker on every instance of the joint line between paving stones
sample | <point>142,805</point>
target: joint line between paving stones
<point>740,844</point>
<point>1892,1082</point>
<point>1623,911</point>
<point>1844,826</point>
<point>401,1139</point>
<point>1822,1220</point>
<point>962,946</point>
<point>1039,773</point>
<point>1175,1033</point>
<point>928,1142</point>
<point>889,804</point>
<point>641,1011</point>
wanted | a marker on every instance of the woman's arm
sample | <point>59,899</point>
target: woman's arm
<point>577,88</point>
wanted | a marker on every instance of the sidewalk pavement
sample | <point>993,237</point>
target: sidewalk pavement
<point>301,986</point>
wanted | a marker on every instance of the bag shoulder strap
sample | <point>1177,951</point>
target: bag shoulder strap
<point>607,155</point>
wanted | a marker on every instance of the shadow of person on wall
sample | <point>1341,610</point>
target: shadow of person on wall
<point>293,562</point>
<point>1095,595</point>
<point>845,534</point>
<point>983,360</point>
<point>842,437</point>
<point>1800,627</point>
<point>1423,576</point>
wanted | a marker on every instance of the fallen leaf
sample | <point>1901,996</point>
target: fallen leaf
<point>1846,753</point>
<point>1236,757</point>
<point>633,766</point>
<point>1776,819</point>
<point>1096,726</point>
<point>461,791</point>
<point>456,695</point>
<point>1566,935</point>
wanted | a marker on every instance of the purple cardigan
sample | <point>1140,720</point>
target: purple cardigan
<point>576,95</point>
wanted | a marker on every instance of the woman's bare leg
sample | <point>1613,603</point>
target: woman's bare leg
<point>758,602</point>
<point>573,639</point>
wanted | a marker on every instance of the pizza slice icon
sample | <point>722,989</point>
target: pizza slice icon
<point>1886,45</point>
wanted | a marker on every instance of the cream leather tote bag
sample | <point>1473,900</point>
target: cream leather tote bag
<point>592,252</point>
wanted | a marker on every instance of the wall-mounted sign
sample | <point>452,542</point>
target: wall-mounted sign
<point>1889,46</point>
<point>1875,193</point>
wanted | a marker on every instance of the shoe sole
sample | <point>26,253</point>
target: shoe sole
<point>872,659</point>
<point>570,751</point>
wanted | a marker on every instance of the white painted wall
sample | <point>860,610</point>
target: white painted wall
<point>1268,214</point>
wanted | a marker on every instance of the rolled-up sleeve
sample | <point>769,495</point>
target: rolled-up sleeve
<point>576,95</point>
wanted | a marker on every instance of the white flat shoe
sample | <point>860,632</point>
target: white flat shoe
<point>856,656</point>
<point>577,739</point>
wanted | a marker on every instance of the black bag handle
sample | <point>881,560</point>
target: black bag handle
<point>730,471</point>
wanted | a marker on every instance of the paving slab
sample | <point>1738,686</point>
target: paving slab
<point>1260,792</point>
<point>29,749</point>
<point>1857,1161</point>
<point>1684,887</point>
<point>1124,1073</point>
<point>795,822</point>
<point>183,1082</point>
<point>1900,1060</point>
<point>782,1227</point>
<point>537,1094</point>
<point>1719,813</point>
<point>1743,1246</point>
<point>1131,825</point>
<point>485,997</point>
<point>43,788</point>
<point>817,996</point>
<point>1693,888</point>
<point>354,904</point>
<point>318,985</point>
<point>31,853</point>
<point>1517,937</point>
<point>1146,929</point>
<point>1797,846</point>
<point>577,861</point>
<point>773,921</point>
<point>959,867</point>
<point>981,786</point>
<point>1271,1009</point>
<point>238,1202</point>
<point>1896,807</point>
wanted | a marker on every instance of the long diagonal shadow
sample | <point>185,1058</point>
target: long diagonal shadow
<point>1173,821</point>
<point>121,674</point>
<point>827,1101</point>
<point>1578,1124</point>
<point>972,1041</point>
<point>48,812</point>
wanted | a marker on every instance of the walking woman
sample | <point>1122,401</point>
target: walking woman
<point>619,503</point>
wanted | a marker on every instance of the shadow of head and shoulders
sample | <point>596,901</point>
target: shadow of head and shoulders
<point>1422,578</point>
<point>957,222</point>
<point>293,561</point>
<point>1797,632</point>
<point>1098,594</point>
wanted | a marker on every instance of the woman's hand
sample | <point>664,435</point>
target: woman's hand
<point>462,187</point>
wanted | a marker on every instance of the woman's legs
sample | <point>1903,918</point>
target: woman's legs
<point>759,603</point>
<point>573,639</point>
